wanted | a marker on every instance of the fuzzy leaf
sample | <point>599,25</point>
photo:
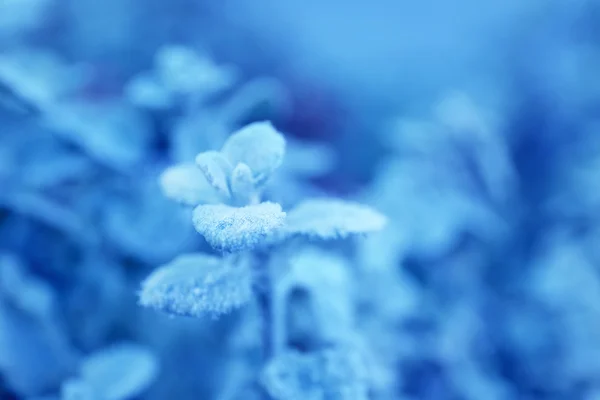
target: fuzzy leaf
<point>196,284</point>
<point>242,186</point>
<point>120,372</point>
<point>147,91</point>
<point>332,219</point>
<point>182,70</point>
<point>331,374</point>
<point>259,146</point>
<point>186,184</point>
<point>216,169</point>
<point>235,229</point>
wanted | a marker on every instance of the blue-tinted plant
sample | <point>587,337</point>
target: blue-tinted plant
<point>255,239</point>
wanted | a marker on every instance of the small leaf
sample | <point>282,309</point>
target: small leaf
<point>120,372</point>
<point>242,186</point>
<point>182,70</point>
<point>197,284</point>
<point>146,91</point>
<point>259,146</point>
<point>235,229</point>
<point>216,169</point>
<point>332,374</point>
<point>332,219</point>
<point>186,184</point>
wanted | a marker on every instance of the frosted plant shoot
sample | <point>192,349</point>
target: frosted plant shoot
<point>255,237</point>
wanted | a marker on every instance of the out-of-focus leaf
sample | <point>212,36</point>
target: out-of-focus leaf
<point>186,184</point>
<point>77,389</point>
<point>120,372</point>
<point>35,355</point>
<point>111,132</point>
<point>332,219</point>
<point>182,70</point>
<point>146,91</point>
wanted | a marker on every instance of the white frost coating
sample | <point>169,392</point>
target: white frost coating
<point>195,285</point>
<point>234,229</point>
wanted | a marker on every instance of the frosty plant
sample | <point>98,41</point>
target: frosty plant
<point>254,237</point>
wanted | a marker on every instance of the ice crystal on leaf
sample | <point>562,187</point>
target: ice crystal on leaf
<point>234,229</point>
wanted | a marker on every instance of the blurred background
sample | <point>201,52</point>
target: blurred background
<point>474,126</point>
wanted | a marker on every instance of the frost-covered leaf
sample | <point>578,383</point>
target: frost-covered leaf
<point>216,169</point>
<point>186,184</point>
<point>332,219</point>
<point>238,228</point>
<point>330,374</point>
<point>197,284</point>
<point>259,146</point>
<point>122,371</point>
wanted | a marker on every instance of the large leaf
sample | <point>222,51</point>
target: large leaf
<point>332,219</point>
<point>195,285</point>
<point>235,229</point>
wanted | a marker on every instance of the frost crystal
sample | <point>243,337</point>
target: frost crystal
<point>196,284</point>
<point>332,219</point>
<point>235,229</point>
